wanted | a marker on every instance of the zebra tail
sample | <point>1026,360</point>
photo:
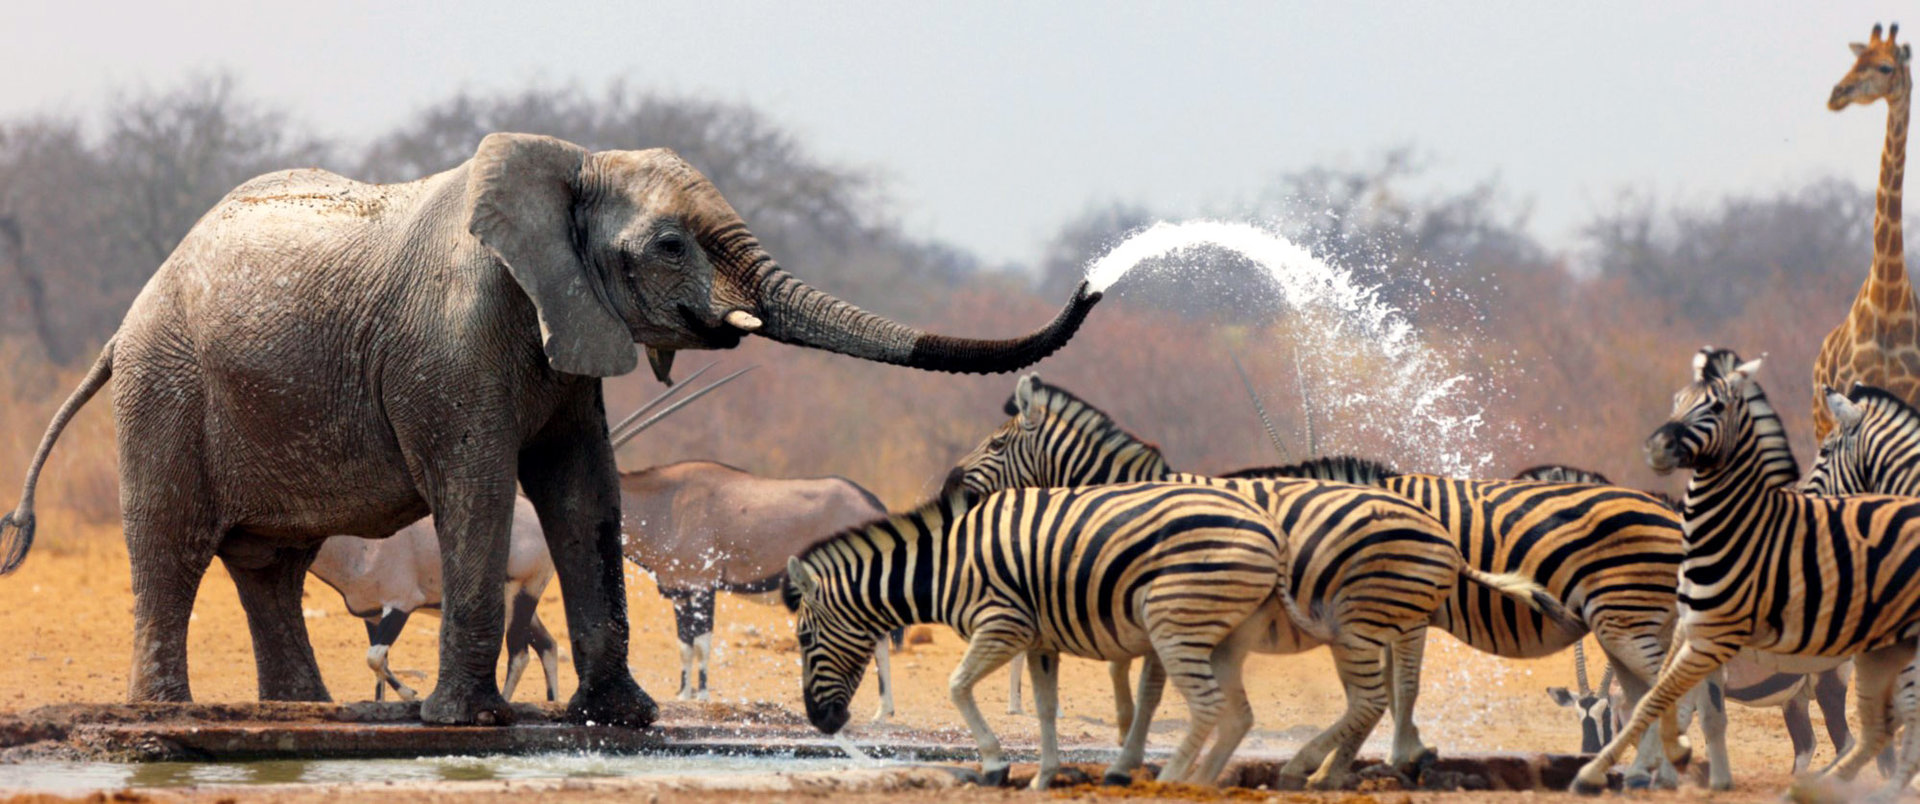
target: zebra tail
<point>1527,590</point>
<point>1307,624</point>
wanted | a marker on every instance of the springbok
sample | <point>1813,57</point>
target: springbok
<point>384,581</point>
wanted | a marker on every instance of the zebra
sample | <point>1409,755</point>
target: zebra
<point>1744,680</point>
<point>1609,555</point>
<point>1351,581</point>
<point>1185,573</point>
<point>1775,569</point>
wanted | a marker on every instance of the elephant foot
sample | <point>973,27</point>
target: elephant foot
<point>615,703</point>
<point>295,687</point>
<point>472,709</point>
<point>143,691</point>
<point>994,777</point>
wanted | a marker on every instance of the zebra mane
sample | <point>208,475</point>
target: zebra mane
<point>1562,473</point>
<point>1775,455</point>
<point>1090,421</point>
<point>941,507</point>
<point>1339,468</point>
<point>1879,398</point>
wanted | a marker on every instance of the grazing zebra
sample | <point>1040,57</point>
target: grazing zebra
<point>1608,555</point>
<point>1744,681</point>
<point>1353,582</point>
<point>1771,568</point>
<point>1187,574</point>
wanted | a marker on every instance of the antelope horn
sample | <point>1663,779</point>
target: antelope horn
<point>1265,421</point>
<point>668,410</point>
<point>655,402</point>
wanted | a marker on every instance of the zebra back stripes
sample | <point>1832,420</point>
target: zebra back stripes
<point>1108,572</point>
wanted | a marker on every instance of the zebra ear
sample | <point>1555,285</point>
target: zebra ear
<point>800,576</point>
<point>1023,400</point>
<point>1843,409</point>
<point>1744,372</point>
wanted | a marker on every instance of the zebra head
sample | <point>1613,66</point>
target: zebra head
<point>1054,439</point>
<point>833,651</point>
<point>1872,449</point>
<point>1697,434</point>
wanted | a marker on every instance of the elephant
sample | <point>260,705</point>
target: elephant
<point>322,356</point>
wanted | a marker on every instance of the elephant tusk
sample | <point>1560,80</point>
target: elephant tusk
<point>662,362</point>
<point>743,320</point>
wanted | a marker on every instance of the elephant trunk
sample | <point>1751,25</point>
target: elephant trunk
<point>796,313</point>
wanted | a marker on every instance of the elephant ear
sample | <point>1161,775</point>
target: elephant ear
<point>521,192</point>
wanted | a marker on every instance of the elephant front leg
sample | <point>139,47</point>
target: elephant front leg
<point>471,520</point>
<point>569,475</point>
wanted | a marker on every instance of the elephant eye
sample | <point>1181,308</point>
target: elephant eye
<point>670,245</point>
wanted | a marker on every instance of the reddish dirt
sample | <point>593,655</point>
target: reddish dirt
<point>66,618</point>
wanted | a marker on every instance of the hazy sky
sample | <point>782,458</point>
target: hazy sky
<point>994,122</point>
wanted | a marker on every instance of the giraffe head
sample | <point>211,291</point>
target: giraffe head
<point>1879,70</point>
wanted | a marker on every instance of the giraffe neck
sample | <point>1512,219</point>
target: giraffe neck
<point>1889,246</point>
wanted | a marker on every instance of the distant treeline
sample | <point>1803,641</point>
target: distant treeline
<point>1586,348</point>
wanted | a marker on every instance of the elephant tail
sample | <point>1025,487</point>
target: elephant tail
<point>16,529</point>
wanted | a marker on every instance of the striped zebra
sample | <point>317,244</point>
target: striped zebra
<point>1774,569</point>
<point>1609,555</point>
<point>1743,681</point>
<point>1373,591</point>
<point>1189,575</point>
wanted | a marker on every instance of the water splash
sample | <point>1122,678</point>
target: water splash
<point>1378,381</point>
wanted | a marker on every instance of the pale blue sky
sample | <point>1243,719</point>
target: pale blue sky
<point>996,121</point>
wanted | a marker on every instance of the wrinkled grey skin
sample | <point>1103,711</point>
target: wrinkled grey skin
<point>321,356</point>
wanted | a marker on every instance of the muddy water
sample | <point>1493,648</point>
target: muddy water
<point>82,777</point>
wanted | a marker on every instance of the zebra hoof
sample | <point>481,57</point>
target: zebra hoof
<point>1637,783</point>
<point>1117,780</point>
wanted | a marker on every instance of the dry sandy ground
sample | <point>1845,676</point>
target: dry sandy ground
<point>65,618</point>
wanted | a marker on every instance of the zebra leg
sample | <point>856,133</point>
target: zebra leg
<point>392,620</point>
<point>1636,658</point>
<point>1406,654</point>
<point>1046,706</point>
<point>1153,682</point>
<point>1122,696</point>
<point>1713,721</point>
<point>1907,709</point>
<point>1236,717</point>
<point>986,652</point>
<point>1015,668</point>
<point>1874,675</point>
<point>1684,670</point>
<point>883,670</point>
<point>1799,730</point>
<point>1190,667</point>
<point>1362,669</point>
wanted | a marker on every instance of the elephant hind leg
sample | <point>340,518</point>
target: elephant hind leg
<point>168,562</point>
<point>270,581</point>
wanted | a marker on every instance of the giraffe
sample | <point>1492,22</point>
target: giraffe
<point>1879,343</point>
